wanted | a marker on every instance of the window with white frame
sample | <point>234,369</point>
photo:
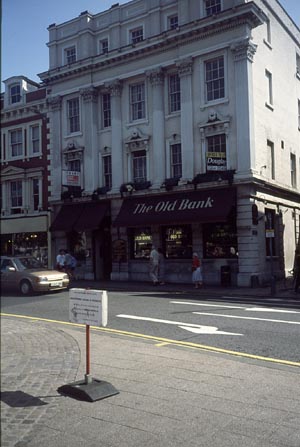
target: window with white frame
<point>176,160</point>
<point>74,165</point>
<point>36,193</point>
<point>215,79</point>
<point>35,139</point>
<point>107,171</point>
<point>298,65</point>
<point>73,115</point>
<point>212,7</point>
<point>106,110</point>
<point>103,46</point>
<point>139,166</point>
<point>16,143</point>
<point>136,35</point>
<point>270,159</point>
<point>70,55</point>
<point>269,88</point>
<point>174,93</point>
<point>173,21</point>
<point>216,159</point>
<point>293,170</point>
<point>16,196</point>
<point>14,93</point>
<point>268,25</point>
<point>137,101</point>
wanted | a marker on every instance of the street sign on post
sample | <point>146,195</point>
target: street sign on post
<point>89,307</point>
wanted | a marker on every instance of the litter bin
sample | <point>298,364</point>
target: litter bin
<point>225,275</point>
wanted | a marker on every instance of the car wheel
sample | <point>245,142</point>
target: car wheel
<point>25,287</point>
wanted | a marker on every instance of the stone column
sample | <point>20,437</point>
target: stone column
<point>89,130</point>
<point>243,53</point>
<point>185,69</point>
<point>158,125</point>
<point>55,147</point>
<point>117,158</point>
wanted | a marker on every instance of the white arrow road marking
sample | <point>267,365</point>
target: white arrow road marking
<point>207,330</point>
<point>196,328</point>
<point>254,309</point>
<point>247,318</point>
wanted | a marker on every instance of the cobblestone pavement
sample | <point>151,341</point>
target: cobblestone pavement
<point>35,359</point>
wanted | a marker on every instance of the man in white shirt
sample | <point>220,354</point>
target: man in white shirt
<point>61,260</point>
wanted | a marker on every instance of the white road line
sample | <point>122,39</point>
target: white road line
<point>252,309</point>
<point>246,318</point>
<point>207,305</point>
<point>196,328</point>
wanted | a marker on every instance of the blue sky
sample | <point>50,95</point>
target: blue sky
<point>25,34</point>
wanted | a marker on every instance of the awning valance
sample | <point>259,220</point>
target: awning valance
<point>194,206</point>
<point>80,216</point>
<point>66,217</point>
<point>92,216</point>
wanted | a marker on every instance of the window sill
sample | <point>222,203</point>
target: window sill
<point>135,122</point>
<point>268,44</point>
<point>173,115</point>
<point>269,106</point>
<point>73,134</point>
<point>213,103</point>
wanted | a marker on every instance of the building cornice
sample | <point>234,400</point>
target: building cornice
<point>202,28</point>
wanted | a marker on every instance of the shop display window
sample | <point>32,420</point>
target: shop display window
<point>219,240</point>
<point>140,242</point>
<point>177,242</point>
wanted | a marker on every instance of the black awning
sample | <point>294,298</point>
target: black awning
<point>66,217</point>
<point>91,216</point>
<point>194,206</point>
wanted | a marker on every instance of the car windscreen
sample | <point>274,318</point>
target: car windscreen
<point>27,263</point>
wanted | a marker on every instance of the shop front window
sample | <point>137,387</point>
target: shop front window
<point>219,241</point>
<point>140,243</point>
<point>177,242</point>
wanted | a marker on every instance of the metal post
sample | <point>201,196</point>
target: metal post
<point>88,378</point>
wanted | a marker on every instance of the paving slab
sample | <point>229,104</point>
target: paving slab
<point>168,395</point>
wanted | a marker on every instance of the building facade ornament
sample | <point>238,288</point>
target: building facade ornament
<point>185,67</point>
<point>89,94</point>
<point>137,141</point>
<point>55,103</point>
<point>115,88</point>
<point>244,49</point>
<point>156,77</point>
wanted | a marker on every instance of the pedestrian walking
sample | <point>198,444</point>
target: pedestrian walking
<point>70,264</point>
<point>61,260</point>
<point>196,271</point>
<point>153,265</point>
<point>297,270</point>
<point>161,267</point>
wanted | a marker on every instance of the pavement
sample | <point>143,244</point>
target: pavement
<point>167,395</point>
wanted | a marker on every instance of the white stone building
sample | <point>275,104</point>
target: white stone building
<point>178,124</point>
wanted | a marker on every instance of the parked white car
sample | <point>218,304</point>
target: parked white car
<point>26,274</point>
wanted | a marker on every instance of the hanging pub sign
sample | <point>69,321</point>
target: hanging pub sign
<point>71,178</point>
<point>216,161</point>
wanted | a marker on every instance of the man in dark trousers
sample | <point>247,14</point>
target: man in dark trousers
<point>297,270</point>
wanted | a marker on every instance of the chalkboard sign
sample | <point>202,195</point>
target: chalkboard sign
<point>119,251</point>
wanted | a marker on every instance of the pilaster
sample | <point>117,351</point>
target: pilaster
<point>185,70</point>
<point>243,53</point>
<point>158,147</point>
